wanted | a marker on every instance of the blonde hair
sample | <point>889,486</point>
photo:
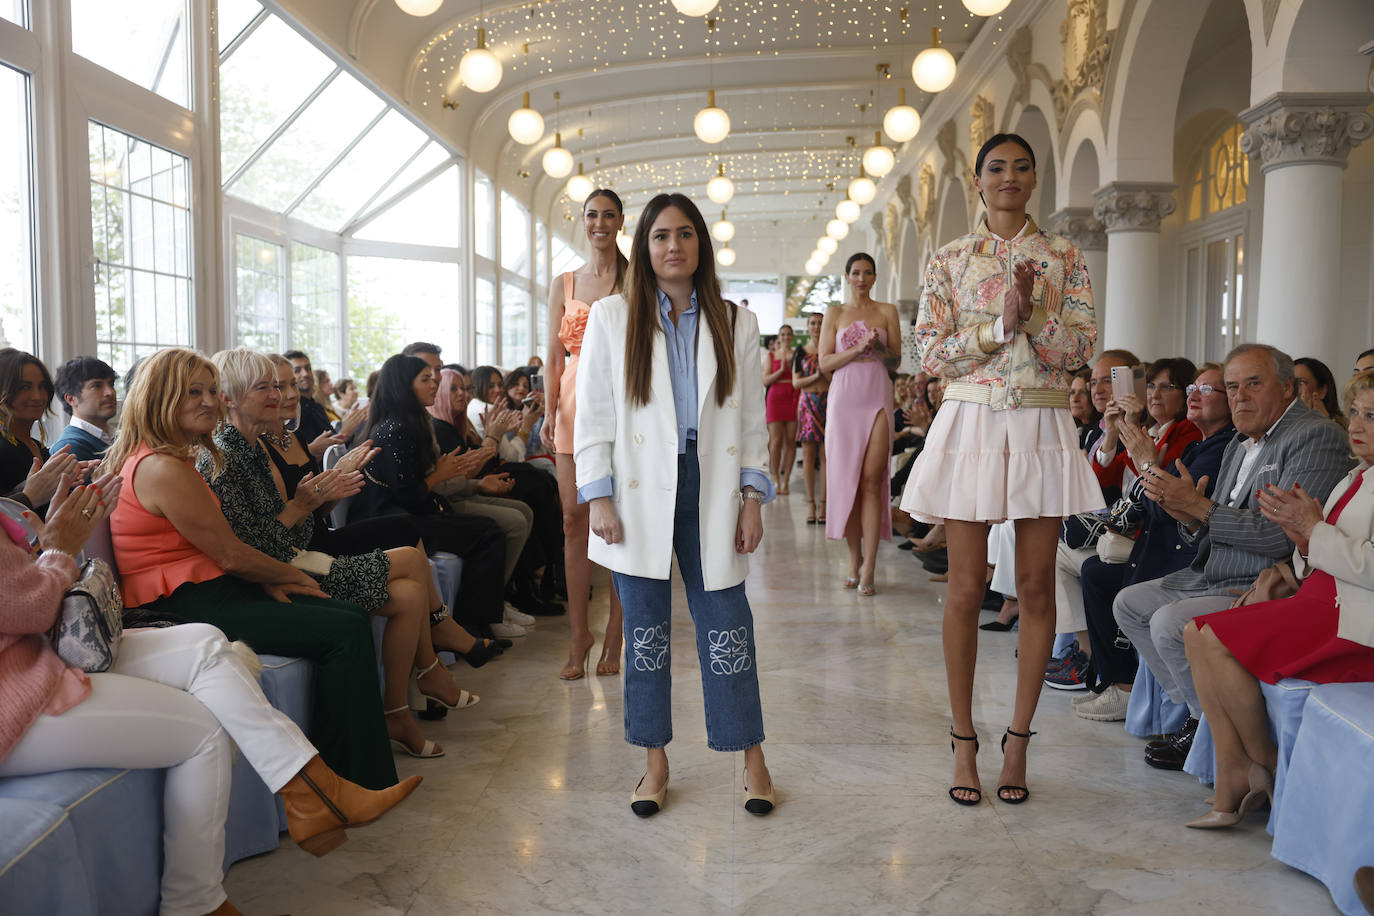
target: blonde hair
<point>152,406</point>
<point>240,369</point>
<point>1359,383</point>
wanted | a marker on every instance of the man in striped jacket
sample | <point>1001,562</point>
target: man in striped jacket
<point>1279,441</point>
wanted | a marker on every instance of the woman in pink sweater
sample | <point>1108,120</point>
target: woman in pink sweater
<point>177,698</point>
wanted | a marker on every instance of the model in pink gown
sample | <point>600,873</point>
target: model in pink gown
<point>858,391</point>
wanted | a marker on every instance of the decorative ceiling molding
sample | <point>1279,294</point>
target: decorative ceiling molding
<point>357,23</point>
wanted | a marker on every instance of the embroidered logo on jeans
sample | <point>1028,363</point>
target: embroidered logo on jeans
<point>650,647</point>
<point>729,651</point>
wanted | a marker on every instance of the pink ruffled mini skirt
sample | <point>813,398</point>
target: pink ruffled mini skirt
<point>985,465</point>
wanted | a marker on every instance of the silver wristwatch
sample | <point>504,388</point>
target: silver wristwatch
<point>751,493</point>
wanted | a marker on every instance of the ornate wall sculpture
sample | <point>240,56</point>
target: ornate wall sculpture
<point>979,130</point>
<point>1289,128</point>
<point>957,166</point>
<point>925,214</point>
<point>892,231</point>
<point>1087,53</point>
<point>1023,71</point>
<point>904,197</point>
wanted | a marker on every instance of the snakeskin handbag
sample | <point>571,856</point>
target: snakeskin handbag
<point>90,625</point>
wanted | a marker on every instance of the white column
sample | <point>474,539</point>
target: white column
<point>1128,313</point>
<point>1302,142</point>
<point>1078,225</point>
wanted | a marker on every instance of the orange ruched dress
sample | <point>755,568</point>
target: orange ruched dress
<point>153,557</point>
<point>570,332</point>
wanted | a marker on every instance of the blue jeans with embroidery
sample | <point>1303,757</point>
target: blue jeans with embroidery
<point>725,640</point>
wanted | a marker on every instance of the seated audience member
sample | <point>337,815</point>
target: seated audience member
<point>179,558</point>
<point>1364,362</point>
<point>1324,633</point>
<point>26,392</point>
<point>1086,416</point>
<point>178,698</point>
<point>431,353</point>
<point>86,386</point>
<point>1317,388</point>
<point>536,363</point>
<point>315,428</point>
<point>1069,670</point>
<point>395,584</point>
<point>371,386</point>
<point>1158,550</point>
<point>345,396</point>
<point>1280,442</point>
<point>488,389</point>
<point>400,481</point>
<point>520,397</point>
<point>324,395</point>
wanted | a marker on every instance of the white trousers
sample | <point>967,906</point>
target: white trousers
<point>174,699</point>
<point>1068,589</point>
<point>1002,558</point>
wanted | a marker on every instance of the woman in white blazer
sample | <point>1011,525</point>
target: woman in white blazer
<point>671,451</point>
<point>1324,633</point>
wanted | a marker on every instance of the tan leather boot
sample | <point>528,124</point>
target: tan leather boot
<point>320,804</point>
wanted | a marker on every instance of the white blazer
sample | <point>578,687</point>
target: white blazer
<point>1346,551</point>
<point>638,446</point>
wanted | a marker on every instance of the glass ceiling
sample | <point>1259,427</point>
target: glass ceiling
<point>302,137</point>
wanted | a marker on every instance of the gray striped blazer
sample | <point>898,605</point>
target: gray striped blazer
<point>1303,448</point>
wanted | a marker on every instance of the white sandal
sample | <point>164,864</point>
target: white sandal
<point>427,751</point>
<point>419,699</point>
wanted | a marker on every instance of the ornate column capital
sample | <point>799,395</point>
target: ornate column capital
<point>1080,226</point>
<point>1306,128</point>
<point>1133,206</point>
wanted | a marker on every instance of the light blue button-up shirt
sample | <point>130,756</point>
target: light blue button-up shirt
<point>681,338</point>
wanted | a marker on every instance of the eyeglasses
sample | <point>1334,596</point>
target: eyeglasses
<point>1205,389</point>
<point>1161,386</point>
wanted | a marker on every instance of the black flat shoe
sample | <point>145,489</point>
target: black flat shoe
<point>997,626</point>
<point>483,651</point>
<point>977,793</point>
<point>1003,790</point>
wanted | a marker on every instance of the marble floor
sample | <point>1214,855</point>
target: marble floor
<point>529,811</point>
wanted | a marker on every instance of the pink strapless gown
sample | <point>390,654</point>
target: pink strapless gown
<point>858,392</point>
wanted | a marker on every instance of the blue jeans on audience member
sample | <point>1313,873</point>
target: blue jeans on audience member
<point>725,640</point>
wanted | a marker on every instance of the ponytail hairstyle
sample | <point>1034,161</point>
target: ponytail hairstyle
<point>641,294</point>
<point>621,264</point>
<point>995,141</point>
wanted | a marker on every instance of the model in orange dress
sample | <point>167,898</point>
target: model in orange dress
<point>570,302</point>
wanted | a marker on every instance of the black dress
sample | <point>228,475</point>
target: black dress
<point>15,462</point>
<point>394,485</point>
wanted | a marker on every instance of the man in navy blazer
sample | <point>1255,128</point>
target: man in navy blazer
<point>1279,441</point>
<point>86,386</point>
<point>1159,549</point>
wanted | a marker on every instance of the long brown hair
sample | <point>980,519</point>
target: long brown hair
<point>641,294</point>
<point>621,264</point>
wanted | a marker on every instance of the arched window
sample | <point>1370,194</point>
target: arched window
<point>1222,177</point>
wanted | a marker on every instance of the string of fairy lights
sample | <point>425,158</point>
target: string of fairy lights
<point>851,136</point>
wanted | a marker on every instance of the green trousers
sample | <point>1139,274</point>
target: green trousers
<point>347,726</point>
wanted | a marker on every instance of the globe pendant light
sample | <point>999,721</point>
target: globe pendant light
<point>837,229</point>
<point>720,189</point>
<point>525,124</point>
<point>725,257</point>
<point>419,7</point>
<point>558,162</point>
<point>902,122</point>
<point>878,159</point>
<point>697,7</point>
<point>827,246</point>
<point>579,186</point>
<point>712,124</point>
<point>847,210</point>
<point>724,230</point>
<point>933,69</point>
<point>862,190</point>
<point>985,7</point>
<point>812,268</point>
<point>480,70</point>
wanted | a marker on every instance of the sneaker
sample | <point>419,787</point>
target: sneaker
<point>1108,706</point>
<point>1087,697</point>
<point>507,630</point>
<point>519,618</point>
<point>1073,675</point>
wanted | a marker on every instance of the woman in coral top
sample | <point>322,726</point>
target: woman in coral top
<point>177,555</point>
<point>570,302</point>
<point>178,698</point>
<point>1006,317</point>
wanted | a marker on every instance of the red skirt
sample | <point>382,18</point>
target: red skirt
<point>1293,637</point>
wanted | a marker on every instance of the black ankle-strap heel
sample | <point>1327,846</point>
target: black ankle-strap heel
<point>977,793</point>
<point>1003,790</point>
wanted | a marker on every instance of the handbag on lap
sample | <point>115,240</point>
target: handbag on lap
<point>90,625</point>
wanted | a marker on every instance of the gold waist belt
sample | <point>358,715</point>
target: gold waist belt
<point>1000,397</point>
